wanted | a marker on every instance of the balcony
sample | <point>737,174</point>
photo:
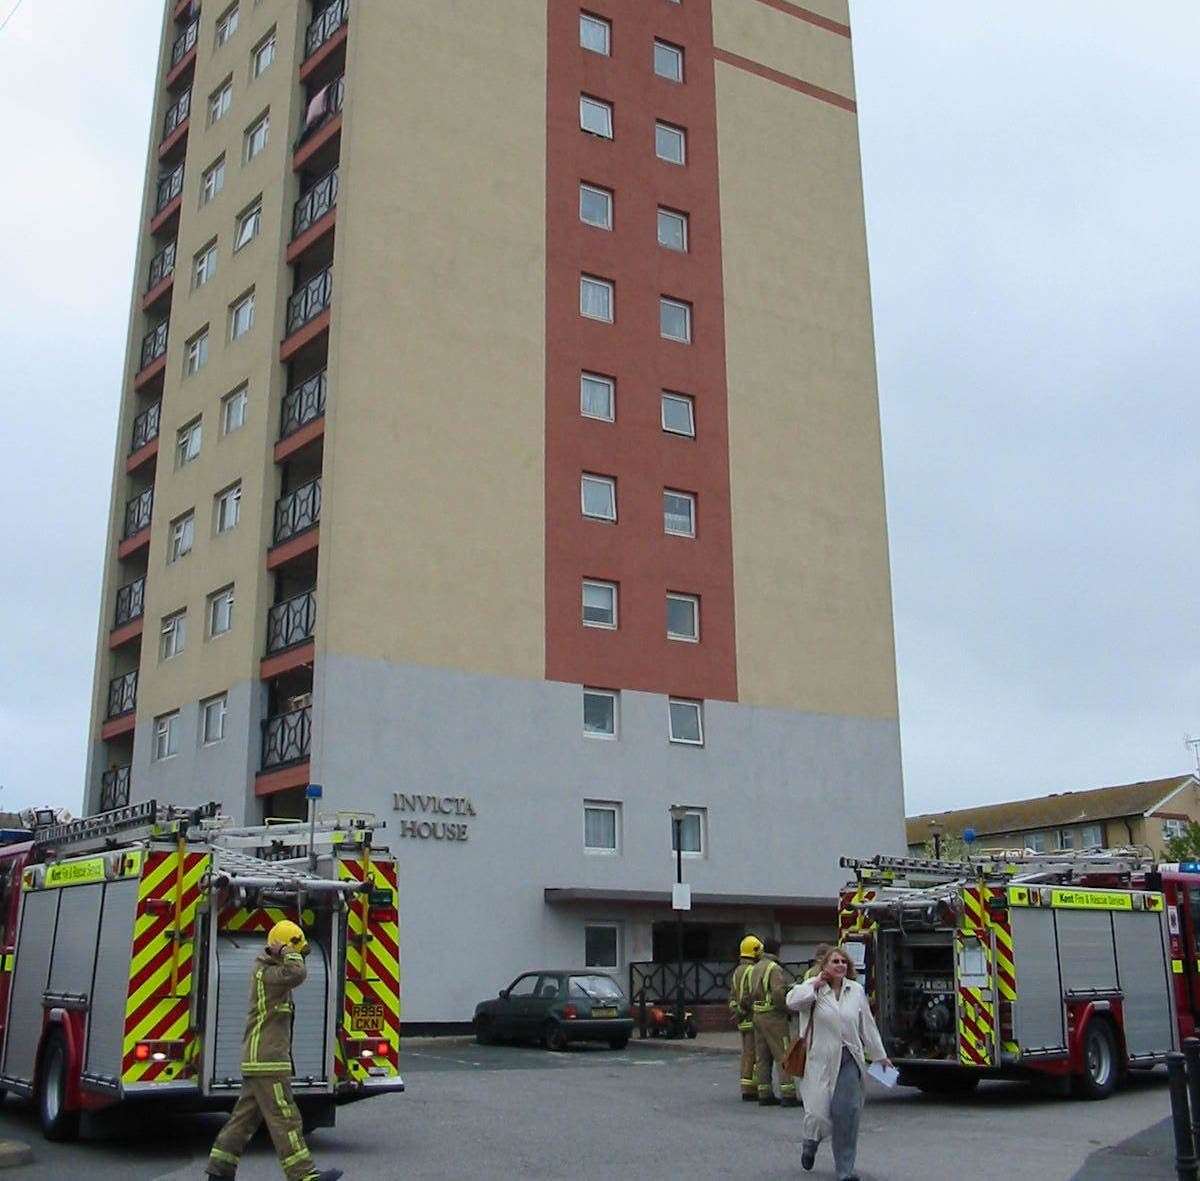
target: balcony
<point>114,789</point>
<point>287,738</point>
<point>153,358</point>
<point>291,623</point>
<point>318,144</point>
<point>305,305</point>
<point>168,198</point>
<point>137,521</point>
<point>122,695</point>
<point>302,405</point>
<point>175,125</point>
<point>315,204</point>
<point>183,54</point>
<point>325,26</point>
<point>298,511</point>
<point>162,272</point>
<point>143,445</point>
<point>131,602</point>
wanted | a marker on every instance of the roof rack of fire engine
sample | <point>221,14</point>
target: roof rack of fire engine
<point>130,823</point>
<point>242,871</point>
<point>1004,865</point>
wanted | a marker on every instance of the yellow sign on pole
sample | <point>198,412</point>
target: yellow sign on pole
<point>75,873</point>
<point>1091,899</point>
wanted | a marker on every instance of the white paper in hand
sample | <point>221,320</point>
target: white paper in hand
<point>884,1074</point>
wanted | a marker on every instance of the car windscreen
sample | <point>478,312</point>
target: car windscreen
<point>599,988</point>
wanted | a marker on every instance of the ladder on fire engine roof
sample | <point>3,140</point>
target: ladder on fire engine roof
<point>1010,867</point>
<point>133,822</point>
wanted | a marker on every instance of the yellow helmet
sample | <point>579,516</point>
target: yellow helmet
<point>285,933</point>
<point>751,948</point>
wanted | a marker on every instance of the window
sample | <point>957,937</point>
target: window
<point>525,986</point>
<point>670,143</point>
<point>233,410</point>
<point>212,181</point>
<point>241,316</point>
<point>1091,836</point>
<point>668,61</point>
<point>600,713</point>
<point>598,497</point>
<point>601,826</point>
<point>166,735</point>
<point>686,722</point>
<point>597,396</point>
<point>196,356</point>
<point>599,604</point>
<point>596,116</point>
<point>262,55</point>
<point>173,637</point>
<point>228,507</point>
<point>248,225</point>
<point>675,320</point>
<point>595,206</point>
<point>227,25</point>
<point>1036,841</point>
<point>220,101</point>
<point>187,443</point>
<point>1172,830</point>
<point>595,33</point>
<point>212,719</point>
<point>679,513</point>
<point>256,136</point>
<point>688,836</point>
<point>1066,838</point>
<point>596,299</point>
<point>599,945</point>
<point>204,265</point>
<point>678,415</point>
<point>683,617</point>
<point>672,230</point>
<point>183,533</point>
<point>220,611</point>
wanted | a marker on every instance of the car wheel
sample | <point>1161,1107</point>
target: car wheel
<point>553,1037</point>
<point>618,1043</point>
<point>485,1033</point>
<point>1101,1064</point>
<point>57,1122</point>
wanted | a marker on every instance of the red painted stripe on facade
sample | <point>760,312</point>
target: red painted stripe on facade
<point>804,14</point>
<point>797,84</point>
<point>635,552</point>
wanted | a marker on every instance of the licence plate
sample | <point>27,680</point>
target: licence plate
<point>604,1012</point>
<point>366,1018</point>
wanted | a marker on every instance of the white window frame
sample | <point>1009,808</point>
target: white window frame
<point>608,484</point>
<point>600,284</point>
<point>221,700</point>
<point>668,395</point>
<point>599,379</point>
<point>701,815</point>
<point>166,736</point>
<point>690,497</point>
<point>239,398</point>
<point>666,301</point>
<point>612,696</point>
<point>672,52</point>
<point>267,45</point>
<point>212,181</point>
<point>188,441</point>
<point>596,583</point>
<point>1064,838</point>
<point>691,703</point>
<point>616,930</point>
<point>694,600</point>
<point>682,219</point>
<point>220,600</point>
<point>249,225</point>
<point>591,21</point>
<point>219,102</point>
<point>257,136</point>
<point>227,25</point>
<point>599,106</point>
<point>172,635</point>
<point>204,264</point>
<point>195,356</point>
<point>1036,841</point>
<point>597,191</point>
<point>614,807</point>
<point>1174,828</point>
<point>1087,829</point>
<point>681,137</point>
<point>182,538</point>
<point>241,313</point>
<point>228,508</point>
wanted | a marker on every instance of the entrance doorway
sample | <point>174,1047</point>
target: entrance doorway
<point>701,941</point>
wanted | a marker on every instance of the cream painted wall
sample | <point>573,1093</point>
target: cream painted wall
<point>812,582</point>
<point>837,10</point>
<point>432,516</point>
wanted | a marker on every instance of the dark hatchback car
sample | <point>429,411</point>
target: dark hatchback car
<point>555,1008</point>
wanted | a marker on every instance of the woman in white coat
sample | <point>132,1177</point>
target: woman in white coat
<point>844,1035</point>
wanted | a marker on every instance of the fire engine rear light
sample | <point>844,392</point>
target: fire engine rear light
<point>158,1051</point>
<point>158,905</point>
<point>381,1050</point>
<point>367,1053</point>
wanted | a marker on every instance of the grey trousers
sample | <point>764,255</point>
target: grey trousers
<point>845,1109</point>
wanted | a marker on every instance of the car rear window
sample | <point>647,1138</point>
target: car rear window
<point>599,988</point>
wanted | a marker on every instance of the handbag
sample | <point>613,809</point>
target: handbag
<point>796,1058</point>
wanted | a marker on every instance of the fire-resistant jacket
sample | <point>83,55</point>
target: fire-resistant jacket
<point>739,993</point>
<point>267,1044</point>
<point>768,988</point>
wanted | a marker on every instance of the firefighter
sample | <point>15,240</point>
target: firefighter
<point>772,1025</point>
<point>739,1005</point>
<point>267,1064</point>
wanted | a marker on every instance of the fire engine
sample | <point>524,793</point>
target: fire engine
<point>1079,966</point>
<point>127,940</point>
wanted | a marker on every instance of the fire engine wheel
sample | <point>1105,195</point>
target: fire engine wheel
<point>1100,1063</point>
<point>57,1122</point>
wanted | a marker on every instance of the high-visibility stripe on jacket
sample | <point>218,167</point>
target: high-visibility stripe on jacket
<point>739,993</point>
<point>767,987</point>
<point>267,1042</point>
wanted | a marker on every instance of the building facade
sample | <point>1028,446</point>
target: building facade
<point>500,450</point>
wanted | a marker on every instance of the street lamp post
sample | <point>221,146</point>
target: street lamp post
<point>678,816</point>
<point>937,840</point>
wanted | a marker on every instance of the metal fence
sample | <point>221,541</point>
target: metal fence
<point>325,24</point>
<point>291,622</point>
<point>298,510</point>
<point>303,404</point>
<point>705,982</point>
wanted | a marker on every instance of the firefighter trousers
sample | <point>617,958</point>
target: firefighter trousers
<point>770,1045</point>
<point>749,1087</point>
<point>267,1098</point>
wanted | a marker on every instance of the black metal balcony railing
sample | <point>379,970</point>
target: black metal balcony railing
<point>122,694</point>
<point>145,427</point>
<point>298,510</point>
<point>317,202</point>
<point>325,24</point>
<point>184,42</point>
<point>131,602</point>
<point>114,789</point>
<point>287,738</point>
<point>137,513</point>
<point>302,405</point>
<point>291,622</point>
<point>162,265</point>
<point>310,301</point>
<point>322,105</point>
<point>177,113</point>
<point>154,344</point>
<point>169,187</point>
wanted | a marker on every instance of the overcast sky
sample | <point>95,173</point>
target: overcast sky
<point>1032,172</point>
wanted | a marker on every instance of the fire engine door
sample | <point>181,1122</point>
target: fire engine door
<point>1188,916</point>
